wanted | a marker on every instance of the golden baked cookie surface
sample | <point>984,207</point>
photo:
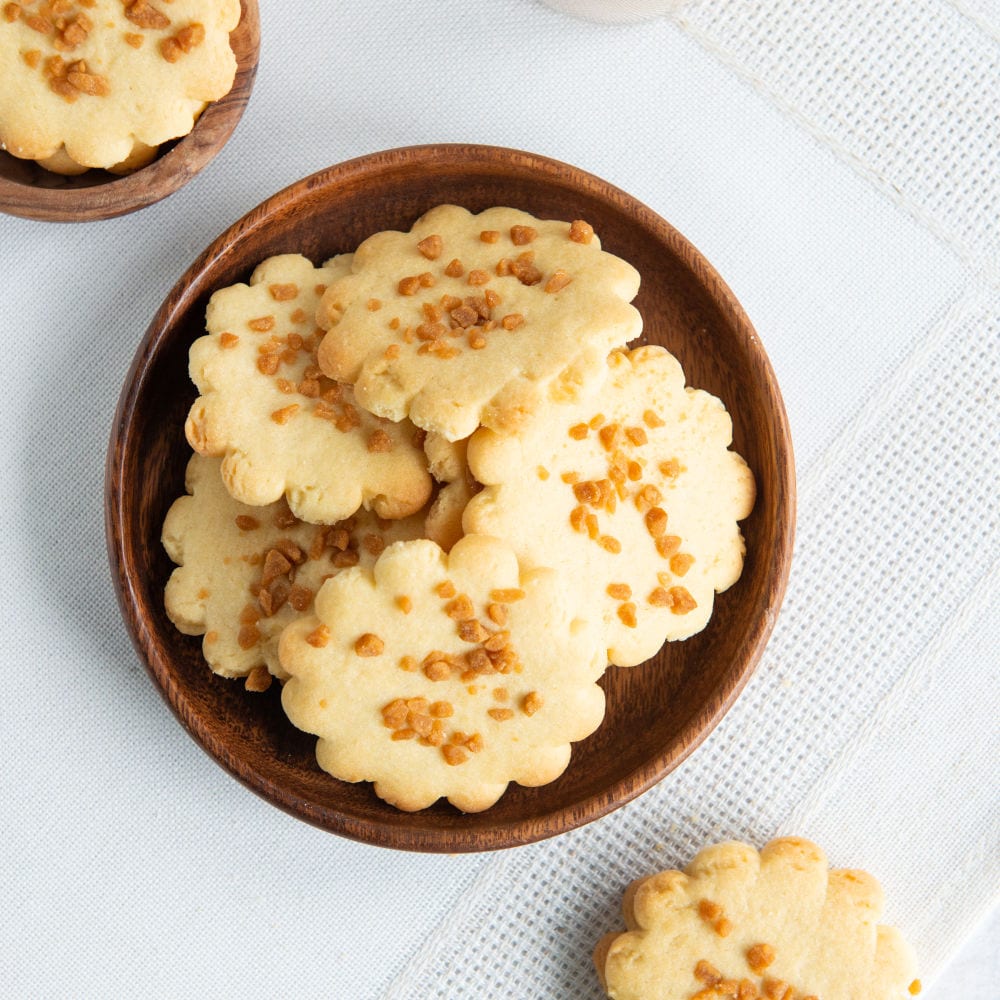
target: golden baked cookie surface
<point>281,425</point>
<point>774,925</point>
<point>476,319</point>
<point>631,493</point>
<point>443,675</point>
<point>102,83</point>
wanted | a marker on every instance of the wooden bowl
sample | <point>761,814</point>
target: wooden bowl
<point>658,712</point>
<point>31,191</point>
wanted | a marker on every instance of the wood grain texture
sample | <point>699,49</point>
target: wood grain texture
<point>658,712</point>
<point>31,191</point>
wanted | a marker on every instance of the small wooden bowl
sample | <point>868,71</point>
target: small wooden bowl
<point>657,712</point>
<point>31,191</point>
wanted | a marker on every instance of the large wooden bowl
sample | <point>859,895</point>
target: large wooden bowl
<point>657,712</point>
<point>31,191</point>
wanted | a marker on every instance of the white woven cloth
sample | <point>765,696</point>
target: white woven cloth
<point>839,163</point>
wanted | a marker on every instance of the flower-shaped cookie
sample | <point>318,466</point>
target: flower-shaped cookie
<point>476,319</point>
<point>101,83</point>
<point>283,427</point>
<point>631,494</point>
<point>245,572</point>
<point>441,675</point>
<point>736,924</point>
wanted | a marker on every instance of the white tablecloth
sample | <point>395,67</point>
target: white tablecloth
<point>839,163</point>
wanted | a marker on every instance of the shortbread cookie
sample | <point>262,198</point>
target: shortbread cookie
<point>777,925</point>
<point>470,319</point>
<point>439,675</point>
<point>102,83</point>
<point>448,465</point>
<point>245,572</point>
<point>283,427</point>
<point>632,495</point>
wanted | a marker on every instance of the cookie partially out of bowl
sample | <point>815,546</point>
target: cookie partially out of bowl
<point>101,83</point>
<point>657,712</point>
<point>98,90</point>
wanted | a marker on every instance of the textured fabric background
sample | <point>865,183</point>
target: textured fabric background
<point>839,163</point>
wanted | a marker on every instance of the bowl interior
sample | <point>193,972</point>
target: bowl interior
<point>656,712</point>
<point>28,190</point>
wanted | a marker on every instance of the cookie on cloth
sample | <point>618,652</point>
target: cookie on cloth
<point>632,494</point>
<point>476,319</point>
<point>102,83</point>
<point>449,466</point>
<point>243,573</point>
<point>778,925</point>
<point>439,675</point>
<point>282,426</point>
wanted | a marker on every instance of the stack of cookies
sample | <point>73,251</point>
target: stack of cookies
<point>435,495</point>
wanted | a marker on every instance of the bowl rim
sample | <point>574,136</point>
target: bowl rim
<point>503,834</point>
<point>166,174</point>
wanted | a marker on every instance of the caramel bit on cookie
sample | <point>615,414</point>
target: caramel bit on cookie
<point>652,419</point>
<point>145,15</point>
<point>580,231</point>
<point>404,604</point>
<point>283,291</point>
<point>558,281</point>
<point>32,57</point>
<point>656,521</point>
<point>460,609</point>
<point>318,637</point>
<point>409,285</point>
<point>507,595</point>
<point>261,324</point>
<point>636,436</point>
<point>259,679</point>
<point>512,321</point>
<point>680,563</point>
<point>11,12</point>
<point>759,957</point>
<point>619,591</point>
<point>626,612</point>
<point>454,755</point>
<point>431,246</point>
<point>671,468</point>
<point>579,431</point>
<point>185,41</point>
<point>500,714</point>
<point>131,38</point>
<point>247,523</point>
<point>248,636</point>
<point>478,277</point>
<point>522,235</point>
<point>285,414</point>
<point>228,340</point>
<point>497,613</point>
<point>379,441</point>
<point>524,270</point>
<point>454,268</point>
<point>531,703</point>
<point>915,987</point>
<point>445,589</point>
<point>369,644</point>
<point>668,545</point>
